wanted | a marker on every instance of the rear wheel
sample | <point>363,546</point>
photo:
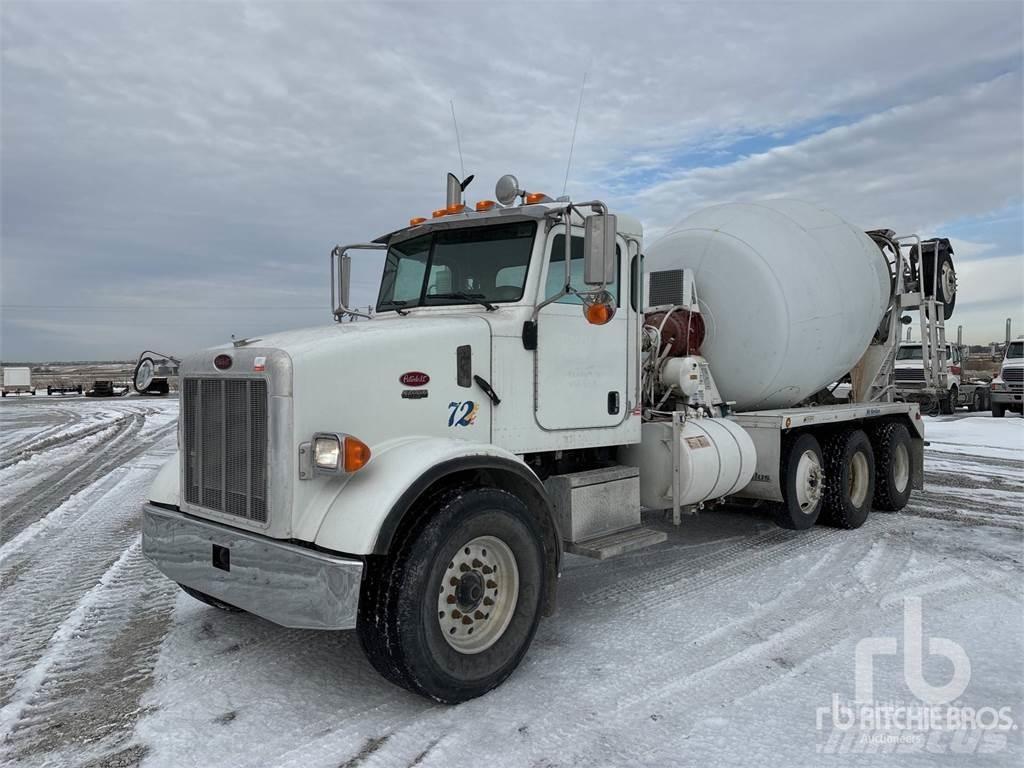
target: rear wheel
<point>850,479</point>
<point>452,610</point>
<point>802,477</point>
<point>892,448</point>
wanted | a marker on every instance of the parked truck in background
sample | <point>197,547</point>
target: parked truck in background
<point>17,381</point>
<point>531,379</point>
<point>1008,386</point>
<point>953,389</point>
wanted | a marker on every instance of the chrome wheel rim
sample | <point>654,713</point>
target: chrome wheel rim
<point>808,482</point>
<point>858,485</point>
<point>478,594</point>
<point>900,468</point>
<point>948,282</point>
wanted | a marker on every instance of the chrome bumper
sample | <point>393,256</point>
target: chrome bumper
<point>286,584</point>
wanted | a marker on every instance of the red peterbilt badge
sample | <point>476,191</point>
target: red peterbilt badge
<point>414,379</point>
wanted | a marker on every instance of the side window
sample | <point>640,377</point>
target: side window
<point>404,268</point>
<point>556,271</point>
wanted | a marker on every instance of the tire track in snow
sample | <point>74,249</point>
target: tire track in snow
<point>95,676</point>
<point>65,564</point>
<point>35,504</point>
<point>59,440</point>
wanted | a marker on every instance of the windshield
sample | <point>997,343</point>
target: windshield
<point>1015,351</point>
<point>458,266</point>
<point>913,352</point>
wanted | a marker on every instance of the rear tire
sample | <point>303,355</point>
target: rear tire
<point>801,474</point>
<point>849,479</point>
<point>205,598</point>
<point>423,602</point>
<point>892,446</point>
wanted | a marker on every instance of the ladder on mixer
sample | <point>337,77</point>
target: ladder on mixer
<point>882,356</point>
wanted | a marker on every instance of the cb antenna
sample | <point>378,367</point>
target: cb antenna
<point>458,142</point>
<point>572,143</point>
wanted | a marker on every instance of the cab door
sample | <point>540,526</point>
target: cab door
<point>581,371</point>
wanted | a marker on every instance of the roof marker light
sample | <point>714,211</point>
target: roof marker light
<point>485,205</point>
<point>416,221</point>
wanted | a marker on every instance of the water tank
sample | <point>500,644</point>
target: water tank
<point>716,459</point>
<point>791,295</point>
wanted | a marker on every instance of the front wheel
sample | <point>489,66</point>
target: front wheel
<point>850,473</point>
<point>947,405</point>
<point>998,409</point>
<point>452,610</point>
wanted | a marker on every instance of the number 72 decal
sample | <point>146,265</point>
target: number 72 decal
<point>462,413</point>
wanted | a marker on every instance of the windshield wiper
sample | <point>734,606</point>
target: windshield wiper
<point>475,298</point>
<point>397,304</point>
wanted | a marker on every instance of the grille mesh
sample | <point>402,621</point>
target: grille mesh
<point>225,441</point>
<point>1015,375</point>
<point>909,374</point>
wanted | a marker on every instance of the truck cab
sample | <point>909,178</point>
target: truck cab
<point>1008,386</point>
<point>910,376</point>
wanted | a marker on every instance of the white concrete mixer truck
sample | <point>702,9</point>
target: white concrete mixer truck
<point>527,385</point>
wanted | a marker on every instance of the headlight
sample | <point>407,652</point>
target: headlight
<point>334,453</point>
<point>997,384</point>
<point>327,453</point>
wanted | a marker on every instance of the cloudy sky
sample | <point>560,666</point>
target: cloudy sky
<point>176,173</point>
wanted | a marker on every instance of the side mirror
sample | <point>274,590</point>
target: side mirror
<point>599,249</point>
<point>345,280</point>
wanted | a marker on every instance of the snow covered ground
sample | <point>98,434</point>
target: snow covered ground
<point>734,643</point>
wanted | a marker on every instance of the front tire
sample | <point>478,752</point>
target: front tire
<point>850,479</point>
<point>452,610</point>
<point>998,409</point>
<point>948,403</point>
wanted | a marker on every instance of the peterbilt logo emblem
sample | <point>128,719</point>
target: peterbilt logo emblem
<point>414,379</point>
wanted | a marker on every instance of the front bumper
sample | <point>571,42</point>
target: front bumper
<point>1007,397</point>
<point>284,583</point>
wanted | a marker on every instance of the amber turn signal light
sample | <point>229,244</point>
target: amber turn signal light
<point>598,314</point>
<point>357,453</point>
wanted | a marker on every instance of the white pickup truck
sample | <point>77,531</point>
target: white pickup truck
<point>1008,386</point>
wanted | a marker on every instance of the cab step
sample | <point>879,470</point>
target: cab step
<point>617,543</point>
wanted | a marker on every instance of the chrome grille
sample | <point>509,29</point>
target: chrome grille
<point>224,427</point>
<point>909,374</point>
<point>1013,375</point>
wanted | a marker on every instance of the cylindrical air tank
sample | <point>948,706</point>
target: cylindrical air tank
<point>716,459</point>
<point>790,293</point>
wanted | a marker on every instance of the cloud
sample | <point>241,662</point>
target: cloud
<point>210,154</point>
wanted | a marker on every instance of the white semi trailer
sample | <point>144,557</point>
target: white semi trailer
<point>517,394</point>
<point>17,381</point>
